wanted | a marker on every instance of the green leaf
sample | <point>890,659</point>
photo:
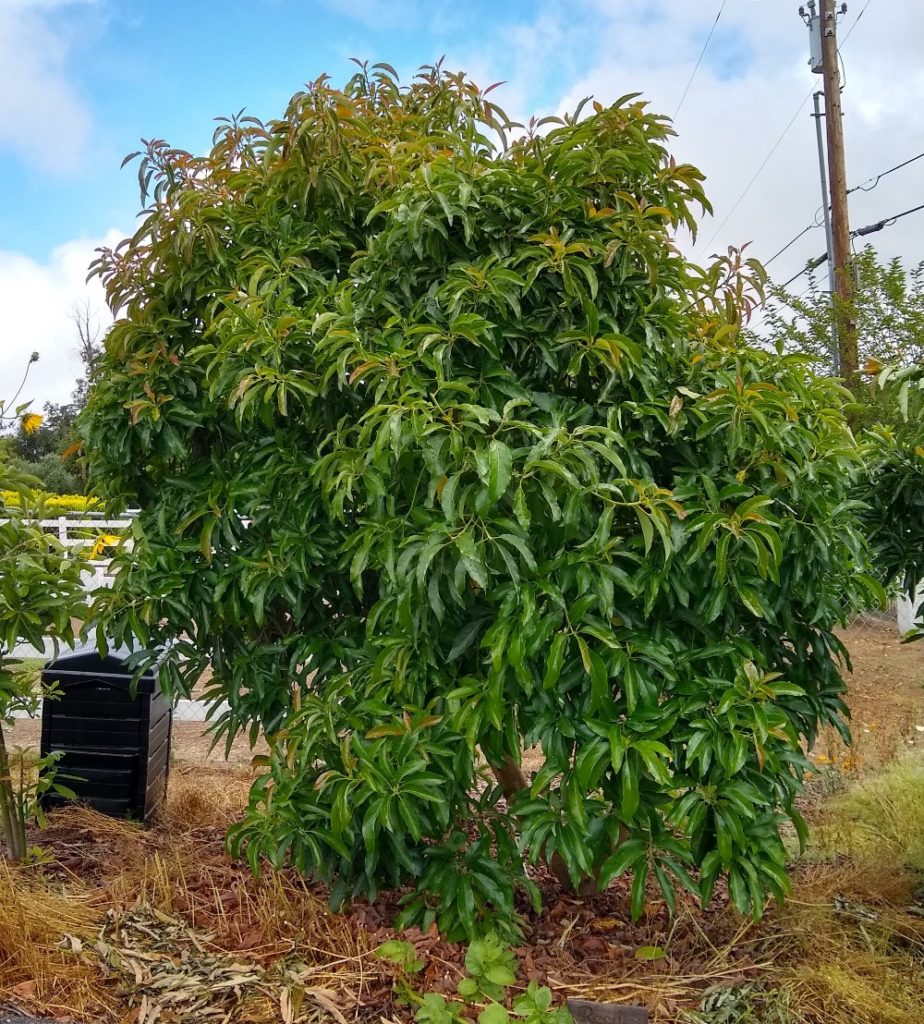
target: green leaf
<point>628,777</point>
<point>493,1013</point>
<point>637,902</point>
<point>500,468</point>
<point>585,653</point>
<point>467,988</point>
<point>644,521</point>
<point>631,852</point>
<point>521,509</point>
<point>500,974</point>
<point>721,557</point>
<point>554,661</point>
<point>512,540</point>
<point>465,638</point>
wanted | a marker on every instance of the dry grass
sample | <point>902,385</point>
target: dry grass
<point>40,966</point>
<point>853,933</point>
<point>880,819</point>
<point>849,946</point>
<point>203,796</point>
<point>854,946</point>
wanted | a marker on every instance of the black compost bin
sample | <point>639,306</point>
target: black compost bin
<point>115,743</point>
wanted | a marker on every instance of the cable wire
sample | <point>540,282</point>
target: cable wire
<point>792,241</point>
<point>869,229</point>
<point>875,181</point>
<point>811,265</point>
<point>856,22</point>
<point>776,144</point>
<point>760,169</point>
<point>699,59</point>
<point>887,223</point>
<point>867,187</point>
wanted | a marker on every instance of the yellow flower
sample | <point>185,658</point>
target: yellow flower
<point>30,422</point>
<point>103,541</point>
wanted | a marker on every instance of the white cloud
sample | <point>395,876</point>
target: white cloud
<point>38,300</point>
<point>43,119</point>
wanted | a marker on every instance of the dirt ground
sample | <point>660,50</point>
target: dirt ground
<point>885,693</point>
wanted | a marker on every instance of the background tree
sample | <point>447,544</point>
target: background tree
<point>49,452</point>
<point>892,486</point>
<point>889,303</point>
<point>443,450</point>
<point>888,411</point>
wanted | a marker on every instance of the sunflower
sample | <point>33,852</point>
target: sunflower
<point>30,422</point>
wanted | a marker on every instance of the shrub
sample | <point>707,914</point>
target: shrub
<point>55,504</point>
<point>40,593</point>
<point>892,488</point>
<point>443,449</point>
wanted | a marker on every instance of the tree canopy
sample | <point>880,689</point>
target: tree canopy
<point>888,310</point>
<point>888,410</point>
<point>444,450</point>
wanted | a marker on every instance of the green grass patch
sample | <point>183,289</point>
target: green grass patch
<point>879,818</point>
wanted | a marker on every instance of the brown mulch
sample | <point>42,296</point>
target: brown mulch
<point>279,923</point>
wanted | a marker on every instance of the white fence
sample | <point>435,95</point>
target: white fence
<point>82,530</point>
<point>72,533</point>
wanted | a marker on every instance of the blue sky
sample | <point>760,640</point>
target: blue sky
<point>167,69</point>
<point>82,81</point>
<point>141,69</point>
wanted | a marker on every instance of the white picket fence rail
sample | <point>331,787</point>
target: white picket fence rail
<point>71,531</point>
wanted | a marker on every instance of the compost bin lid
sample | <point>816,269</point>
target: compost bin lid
<point>85,660</point>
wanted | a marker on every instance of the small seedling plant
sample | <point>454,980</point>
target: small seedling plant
<point>490,974</point>
<point>24,777</point>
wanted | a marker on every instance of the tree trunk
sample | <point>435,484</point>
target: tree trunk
<point>9,818</point>
<point>511,779</point>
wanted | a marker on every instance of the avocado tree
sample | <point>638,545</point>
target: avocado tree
<point>444,451</point>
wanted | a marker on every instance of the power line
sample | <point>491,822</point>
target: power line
<point>699,59</point>
<point>783,134</point>
<point>811,265</point>
<point>856,22</point>
<point>867,187</point>
<point>869,229</point>
<point>875,181</point>
<point>887,223</point>
<point>760,169</point>
<point>792,241</point>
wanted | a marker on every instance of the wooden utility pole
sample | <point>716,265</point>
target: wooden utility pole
<point>837,176</point>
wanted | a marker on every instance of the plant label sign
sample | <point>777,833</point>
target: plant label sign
<point>586,1012</point>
